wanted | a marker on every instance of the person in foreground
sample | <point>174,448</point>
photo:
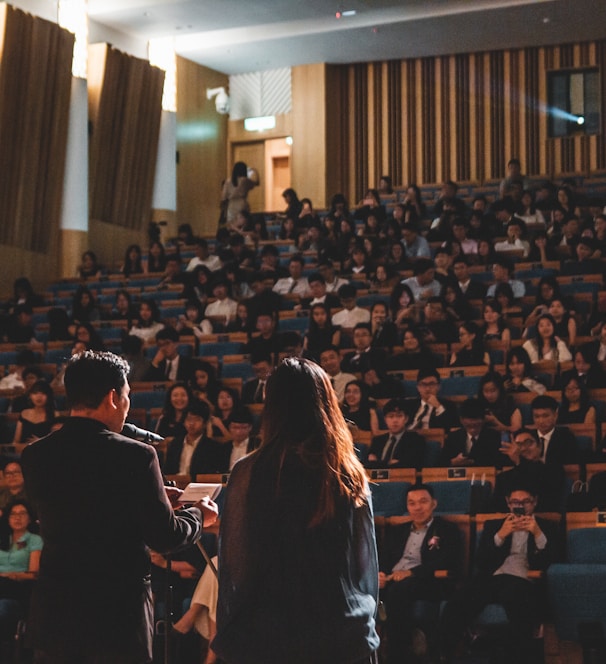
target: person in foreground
<point>101,503</point>
<point>298,578</point>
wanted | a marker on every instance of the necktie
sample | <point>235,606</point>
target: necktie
<point>259,392</point>
<point>293,285</point>
<point>388,449</point>
<point>168,368</point>
<point>418,423</point>
<point>542,441</point>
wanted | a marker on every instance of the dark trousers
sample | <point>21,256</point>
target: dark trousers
<point>519,597</point>
<point>399,597</point>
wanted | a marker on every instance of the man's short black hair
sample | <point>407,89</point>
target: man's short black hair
<point>241,416</point>
<point>363,326</point>
<point>395,406</point>
<point>91,375</point>
<point>544,401</point>
<point>347,291</point>
<point>167,333</point>
<point>460,258</point>
<point>199,409</point>
<point>256,358</point>
<point>422,265</point>
<point>421,487</point>
<point>315,276</point>
<point>428,373</point>
<point>471,409</point>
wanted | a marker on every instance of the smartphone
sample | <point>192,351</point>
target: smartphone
<point>518,511</point>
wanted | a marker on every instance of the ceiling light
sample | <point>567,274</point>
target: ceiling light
<point>345,13</point>
<point>261,123</point>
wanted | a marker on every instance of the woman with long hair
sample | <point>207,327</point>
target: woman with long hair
<point>84,306</point>
<point>472,352</point>
<point>171,421</point>
<point>384,331</point>
<point>494,327</point>
<point>321,333</point>
<point>519,376</point>
<point>36,422</point>
<point>149,323</point>
<point>547,345</point>
<point>156,258</point>
<point>357,408</point>
<point>226,403</point>
<point>501,413</point>
<point>299,574</point>
<point>132,263</point>
<point>575,407</point>
<point>415,355</point>
<point>404,312</point>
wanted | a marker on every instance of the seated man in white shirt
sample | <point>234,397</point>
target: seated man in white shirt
<point>514,240</point>
<point>503,272</point>
<point>223,310</point>
<point>330,361</point>
<point>351,314</point>
<point>423,284</point>
<point>296,283</point>
<point>203,257</point>
<point>333,282</point>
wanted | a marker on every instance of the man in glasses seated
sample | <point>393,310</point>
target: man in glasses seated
<point>508,550</point>
<point>429,412</point>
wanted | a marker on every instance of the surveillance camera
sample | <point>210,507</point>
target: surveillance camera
<point>222,103</point>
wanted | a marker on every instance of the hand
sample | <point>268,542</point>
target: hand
<point>432,400</point>
<point>529,524</point>
<point>173,494</point>
<point>382,580</point>
<point>209,510</point>
<point>512,451</point>
<point>400,575</point>
<point>509,525</point>
<point>157,559</point>
<point>459,460</point>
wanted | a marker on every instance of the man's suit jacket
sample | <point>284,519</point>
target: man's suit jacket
<point>443,553</point>
<point>562,448</point>
<point>208,457</point>
<point>184,371</point>
<point>475,291</point>
<point>355,362</point>
<point>490,557</point>
<point>101,502</point>
<point>248,391</point>
<point>447,420</point>
<point>409,451</point>
<point>485,451</point>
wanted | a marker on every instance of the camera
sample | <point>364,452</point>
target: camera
<point>518,511</point>
<point>221,99</point>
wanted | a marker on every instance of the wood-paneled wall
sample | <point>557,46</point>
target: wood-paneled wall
<point>125,107</point>
<point>35,89</point>
<point>202,146</point>
<point>458,117</point>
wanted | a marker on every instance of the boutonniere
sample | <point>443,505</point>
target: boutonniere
<point>21,545</point>
<point>434,543</point>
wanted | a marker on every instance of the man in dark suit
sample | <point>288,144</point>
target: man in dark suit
<point>508,549</point>
<point>427,411</point>
<point>92,601</point>
<point>472,290</point>
<point>365,355</point>
<point>195,453</point>
<point>410,555</point>
<point>253,390</point>
<point>242,441</point>
<point>397,447</point>
<point>317,289</point>
<point>559,445</point>
<point>474,444</point>
<point>167,363</point>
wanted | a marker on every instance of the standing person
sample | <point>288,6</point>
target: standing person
<point>235,192</point>
<point>92,602</point>
<point>297,554</point>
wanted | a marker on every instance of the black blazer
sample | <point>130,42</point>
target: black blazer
<point>248,391</point>
<point>446,420</point>
<point>446,553</point>
<point>562,448</point>
<point>101,502</point>
<point>475,291</point>
<point>490,557</point>
<point>409,451</point>
<point>374,358</point>
<point>184,371</point>
<point>485,452</point>
<point>208,457</point>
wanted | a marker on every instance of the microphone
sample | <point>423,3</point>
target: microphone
<point>142,435</point>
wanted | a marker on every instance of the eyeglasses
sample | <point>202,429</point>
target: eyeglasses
<point>18,514</point>
<point>521,503</point>
<point>8,473</point>
<point>527,442</point>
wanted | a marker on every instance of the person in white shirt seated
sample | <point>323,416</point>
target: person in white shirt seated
<point>296,283</point>
<point>204,257</point>
<point>351,314</point>
<point>514,241</point>
<point>423,284</point>
<point>330,361</point>
<point>333,282</point>
<point>223,310</point>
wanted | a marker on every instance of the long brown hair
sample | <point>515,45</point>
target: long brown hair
<point>302,416</point>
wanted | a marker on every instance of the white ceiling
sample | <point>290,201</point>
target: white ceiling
<point>238,36</point>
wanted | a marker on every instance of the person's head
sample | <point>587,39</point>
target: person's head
<point>20,515</point>
<point>330,360</point>
<point>196,418</point>
<point>220,285</point>
<point>96,383</point>
<point>449,189</point>
<point>123,302</point>
<point>239,171</point>
<point>546,328</point>
<point>574,393</point>
<point>491,311</point>
<point>521,500</point>
<point>514,168</point>
<point>295,267</point>
<point>396,252</point>
<point>178,398</point>
<point>424,271</point>
<point>421,503</point>
<point>385,185</point>
<point>362,336</point>
<point>503,294</point>
<point>167,339</point>
<point>347,295</point>
<point>266,323</point>
<point>584,249</point>
<point>204,377</point>
<point>428,383</point>
<point>89,260</point>
<point>317,285</point>
<point>460,268</point>
<point>491,390</point>
<point>227,400</point>
<point>409,233</point>
<point>356,395</point>
<point>502,269</point>
<point>529,446</point>
<point>378,313</point>
<point>395,415</point>
<point>471,414</point>
<point>41,396</point>
<point>468,334</point>
<point>544,413</point>
<point>557,309</point>
<point>30,376</point>
<point>434,310</point>
<point>13,477</point>
<point>240,425</point>
<point>459,229</point>
<point>518,363</point>
<point>412,340</point>
<point>319,315</point>
<point>401,297</point>
<point>261,364</point>
<point>148,312</point>
<point>584,357</point>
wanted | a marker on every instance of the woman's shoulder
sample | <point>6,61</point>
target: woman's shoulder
<point>34,541</point>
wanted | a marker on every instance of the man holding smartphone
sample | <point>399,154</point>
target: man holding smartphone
<point>510,549</point>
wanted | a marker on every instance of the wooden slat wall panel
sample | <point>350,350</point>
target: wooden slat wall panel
<point>35,88</point>
<point>125,109</point>
<point>460,117</point>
